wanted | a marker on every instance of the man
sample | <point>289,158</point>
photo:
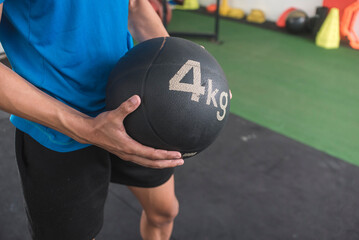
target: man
<point>62,53</point>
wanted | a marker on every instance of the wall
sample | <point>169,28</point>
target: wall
<point>356,25</point>
<point>272,8</point>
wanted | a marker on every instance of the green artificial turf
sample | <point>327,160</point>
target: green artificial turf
<point>287,83</point>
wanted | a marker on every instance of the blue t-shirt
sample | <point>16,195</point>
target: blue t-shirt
<point>66,48</point>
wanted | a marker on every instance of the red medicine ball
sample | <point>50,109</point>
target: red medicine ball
<point>184,93</point>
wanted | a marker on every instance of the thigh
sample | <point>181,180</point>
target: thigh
<point>64,192</point>
<point>158,201</point>
<point>131,174</point>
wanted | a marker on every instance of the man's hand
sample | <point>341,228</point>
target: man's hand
<point>109,133</point>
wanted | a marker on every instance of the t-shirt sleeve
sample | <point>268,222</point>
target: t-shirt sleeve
<point>1,1</point>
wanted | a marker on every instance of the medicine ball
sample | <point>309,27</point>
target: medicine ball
<point>297,21</point>
<point>184,92</point>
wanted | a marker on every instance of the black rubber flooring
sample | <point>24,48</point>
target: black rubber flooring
<point>252,183</point>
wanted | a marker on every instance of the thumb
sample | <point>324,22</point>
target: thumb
<point>129,106</point>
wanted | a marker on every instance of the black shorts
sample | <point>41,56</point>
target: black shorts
<point>65,193</point>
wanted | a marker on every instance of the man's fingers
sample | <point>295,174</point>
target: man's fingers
<point>166,163</point>
<point>138,153</point>
<point>150,157</point>
<point>129,106</point>
<point>110,134</point>
<point>136,148</point>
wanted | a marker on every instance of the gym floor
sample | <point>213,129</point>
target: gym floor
<point>285,165</point>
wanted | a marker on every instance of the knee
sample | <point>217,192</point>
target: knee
<point>163,215</point>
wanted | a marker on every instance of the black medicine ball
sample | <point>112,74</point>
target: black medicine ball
<point>184,93</point>
<point>297,21</point>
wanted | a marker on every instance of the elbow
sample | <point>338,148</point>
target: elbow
<point>133,4</point>
<point>1,6</point>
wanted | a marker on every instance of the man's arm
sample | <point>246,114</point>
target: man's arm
<point>143,22</point>
<point>1,10</point>
<point>19,97</point>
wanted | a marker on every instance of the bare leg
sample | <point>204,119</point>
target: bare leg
<point>160,207</point>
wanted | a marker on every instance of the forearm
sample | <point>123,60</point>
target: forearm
<point>143,22</point>
<point>19,97</point>
<point>1,6</point>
